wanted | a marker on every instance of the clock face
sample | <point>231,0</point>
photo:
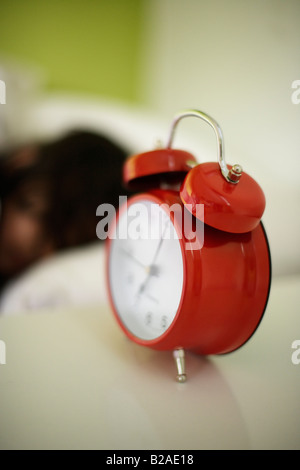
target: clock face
<point>145,269</point>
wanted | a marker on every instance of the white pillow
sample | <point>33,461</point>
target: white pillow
<point>73,278</point>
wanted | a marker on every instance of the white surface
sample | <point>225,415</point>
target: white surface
<point>72,381</point>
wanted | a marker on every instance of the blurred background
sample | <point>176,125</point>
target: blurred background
<point>141,61</point>
<point>77,46</point>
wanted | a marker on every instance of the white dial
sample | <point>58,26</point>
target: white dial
<point>145,269</point>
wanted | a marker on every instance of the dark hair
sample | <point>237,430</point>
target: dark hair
<point>76,173</point>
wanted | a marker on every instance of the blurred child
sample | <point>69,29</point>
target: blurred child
<point>50,193</point>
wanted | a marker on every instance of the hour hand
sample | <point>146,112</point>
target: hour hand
<point>152,270</point>
<point>133,258</point>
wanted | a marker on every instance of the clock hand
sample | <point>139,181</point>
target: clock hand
<point>159,244</point>
<point>157,249</point>
<point>152,269</point>
<point>133,258</point>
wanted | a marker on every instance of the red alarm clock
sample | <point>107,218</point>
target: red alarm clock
<point>188,261</point>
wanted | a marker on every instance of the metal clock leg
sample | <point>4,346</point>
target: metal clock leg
<point>179,357</point>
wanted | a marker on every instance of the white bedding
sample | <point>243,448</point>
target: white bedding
<point>73,278</point>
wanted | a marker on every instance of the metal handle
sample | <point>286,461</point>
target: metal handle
<point>233,175</point>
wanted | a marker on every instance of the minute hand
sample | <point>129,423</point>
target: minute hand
<point>151,269</point>
<point>133,258</point>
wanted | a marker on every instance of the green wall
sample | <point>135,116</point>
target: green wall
<point>89,46</point>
